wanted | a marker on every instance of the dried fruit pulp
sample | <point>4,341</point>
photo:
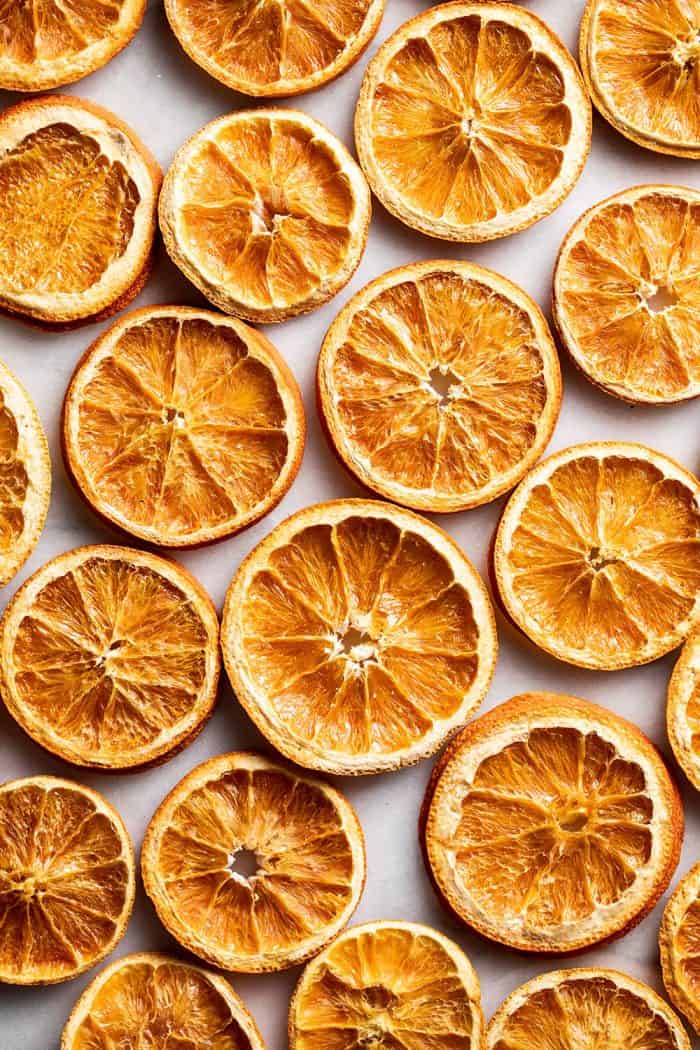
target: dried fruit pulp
<point>683,710</point>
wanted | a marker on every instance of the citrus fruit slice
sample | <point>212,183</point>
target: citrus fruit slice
<point>266,212</point>
<point>109,657</point>
<point>252,866</point>
<point>583,1010</point>
<point>78,195</point>
<point>627,294</point>
<point>66,880</point>
<point>683,710</point>
<point>274,47</point>
<point>56,42</point>
<point>679,944</point>
<point>551,824</point>
<point>358,637</point>
<point>417,402</point>
<point>388,984</point>
<point>473,121</point>
<point>182,426</point>
<point>596,558</point>
<point>151,1000</point>
<point>641,61</point>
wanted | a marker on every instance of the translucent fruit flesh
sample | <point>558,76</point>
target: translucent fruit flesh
<point>46,30</point>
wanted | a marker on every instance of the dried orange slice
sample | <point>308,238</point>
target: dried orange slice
<point>56,42</point>
<point>182,426</point>
<point>641,61</point>
<point>252,866</point>
<point>473,121</point>
<point>78,195</point>
<point>679,944</point>
<point>596,558</point>
<point>274,47</point>
<point>388,984</point>
<point>551,824</point>
<point>416,401</point>
<point>266,212</point>
<point>153,1000</point>
<point>683,710</point>
<point>583,1009</point>
<point>109,657</point>
<point>66,880</point>
<point>358,637</point>
<point>627,294</point>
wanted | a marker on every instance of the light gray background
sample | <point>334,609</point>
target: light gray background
<point>165,97</point>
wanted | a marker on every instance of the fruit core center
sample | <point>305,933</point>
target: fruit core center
<point>174,415</point>
<point>270,209</point>
<point>378,1002</point>
<point>469,125</point>
<point>573,818</point>
<point>662,299</point>
<point>358,645</point>
<point>687,52</point>
<point>113,648</point>
<point>598,558</point>
<point>244,864</point>
<point>444,384</point>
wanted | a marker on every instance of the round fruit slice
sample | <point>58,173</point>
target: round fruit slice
<point>583,1009</point>
<point>182,426</point>
<point>252,866</point>
<point>679,943</point>
<point>596,558</point>
<point>551,824</point>
<point>274,47</point>
<point>78,195</point>
<point>473,121</point>
<point>149,1000</point>
<point>388,984</point>
<point>358,637</point>
<point>641,61</point>
<point>110,657</point>
<point>683,710</point>
<point>627,294</point>
<point>439,385</point>
<point>266,212</point>
<point>66,880</point>
<point>56,42</point>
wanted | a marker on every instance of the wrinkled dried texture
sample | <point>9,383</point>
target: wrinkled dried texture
<point>13,482</point>
<point>32,30</point>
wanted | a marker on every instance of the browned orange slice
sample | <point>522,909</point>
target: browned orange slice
<point>679,943</point>
<point>683,710</point>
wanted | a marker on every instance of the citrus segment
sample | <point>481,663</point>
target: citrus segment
<point>683,710</point>
<point>679,942</point>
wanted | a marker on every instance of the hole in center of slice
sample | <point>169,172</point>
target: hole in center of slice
<point>358,645</point>
<point>598,559</point>
<point>662,299</point>
<point>574,818</point>
<point>244,863</point>
<point>445,385</point>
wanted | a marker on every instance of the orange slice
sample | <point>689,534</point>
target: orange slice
<point>551,824</point>
<point>358,637</point>
<point>274,48</point>
<point>78,195</point>
<point>417,403</point>
<point>679,943</point>
<point>182,426</point>
<point>627,294</point>
<point>683,710</point>
<point>109,657</point>
<point>641,61</point>
<point>66,880</point>
<point>388,984</point>
<point>473,121</point>
<point>597,555</point>
<point>266,212</point>
<point>252,866</point>
<point>44,45</point>
<point>150,1000</point>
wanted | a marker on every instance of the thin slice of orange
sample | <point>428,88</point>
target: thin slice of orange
<point>358,637</point>
<point>551,824</point>
<point>388,984</point>
<point>597,555</point>
<point>182,426</point>
<point>252,866</point>
<point>439,385</point>
<point>641,61</point>
<point>473,121</point>
<point>679,944</point>
<point>274,47</point>
<point>627,294</point>
<point>110,657</point>
<point>67,879</point>
<point>683,710</point>
<point>78,196</point>
<point>266,212</point>
<point>151,1000</point>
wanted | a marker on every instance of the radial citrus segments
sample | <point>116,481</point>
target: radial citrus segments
<point>182,427</point>
<point>109,657</point>
<point>627,294</point>
<point>253,866</point>
<point>679,944</point>
<point>597,555</point>
<point>266,212</point>
<point>683,710</point>
<point>473,121</point>
<point>274,47</point>
<point>67,879</point>
<point>388,984</point>
<point>439,385</point>
<point>551,824</point>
